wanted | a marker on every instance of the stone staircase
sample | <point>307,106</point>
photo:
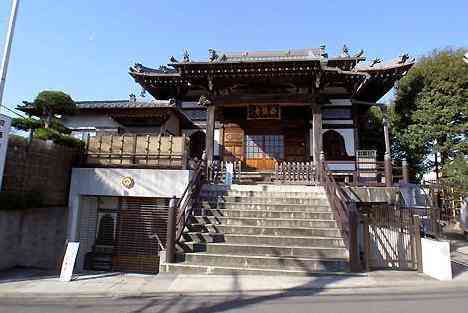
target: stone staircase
<point>262,229</point>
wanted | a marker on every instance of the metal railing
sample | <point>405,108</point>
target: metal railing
<point>180,211</point>
<point>346,215</point>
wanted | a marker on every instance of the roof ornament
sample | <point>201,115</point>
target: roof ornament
<point>173,60</point>
<point>138,67</point>
<point>143,92</point>
<point>405,57</point>
<point>359,54</point>
<point>375,61</point>
<point>163,69</point>
<point>186,56</point>
<point>323,52</point>
<point>212,55</point>
<point>344,52</point>
<point>204,101</point>
<point>132,97</point>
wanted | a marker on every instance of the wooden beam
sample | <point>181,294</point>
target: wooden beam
<point>317,132</point>
<point>210,126</point>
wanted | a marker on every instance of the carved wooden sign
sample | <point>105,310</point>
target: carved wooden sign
<point>263,112</point>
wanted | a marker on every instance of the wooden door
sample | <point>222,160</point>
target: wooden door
<point>262,151</point>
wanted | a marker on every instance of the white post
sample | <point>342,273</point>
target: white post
<point>6,53</point>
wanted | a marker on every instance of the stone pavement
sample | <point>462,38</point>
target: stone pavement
<point>33,284</point>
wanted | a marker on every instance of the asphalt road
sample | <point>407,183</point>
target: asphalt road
<point>441,301</point>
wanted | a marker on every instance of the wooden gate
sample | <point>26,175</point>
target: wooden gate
<point>392,238</point>
<point>141,230</point>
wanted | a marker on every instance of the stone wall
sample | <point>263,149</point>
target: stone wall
<point>42,167</point>
<point>33,237</point>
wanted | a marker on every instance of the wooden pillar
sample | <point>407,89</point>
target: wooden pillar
<point>210,126</point>
<point>316,134</point>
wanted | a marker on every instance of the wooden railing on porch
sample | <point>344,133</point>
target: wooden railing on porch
<point>144,151</point>
<point>366,173</point>
<point>217,171</point>
<point>295,172</point>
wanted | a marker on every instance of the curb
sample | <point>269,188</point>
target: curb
<point>337,290</point>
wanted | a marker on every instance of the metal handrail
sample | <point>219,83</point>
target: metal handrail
<point>340,202</point>
<point>184,206</point>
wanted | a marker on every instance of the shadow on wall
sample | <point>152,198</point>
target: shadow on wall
<point>32,238</point>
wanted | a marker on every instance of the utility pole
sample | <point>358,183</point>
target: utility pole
<point>7,50</point>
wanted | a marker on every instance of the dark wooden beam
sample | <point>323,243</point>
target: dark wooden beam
<point>210,126</point>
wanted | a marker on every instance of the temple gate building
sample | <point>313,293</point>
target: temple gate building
<point>240,164</point>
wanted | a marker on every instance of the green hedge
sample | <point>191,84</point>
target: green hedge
<point>20,201</point>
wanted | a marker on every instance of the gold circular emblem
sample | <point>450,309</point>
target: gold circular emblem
<point>128,182</point>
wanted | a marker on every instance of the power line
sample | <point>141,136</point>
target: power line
<point>12,111</point>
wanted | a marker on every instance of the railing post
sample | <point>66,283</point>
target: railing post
<point>171,231</point>
<point>354,260</point>
<point>405,172</point>
<point>366,242</point>
<point>417,242</point>
<point>388,170</point>
<point>321,166</point>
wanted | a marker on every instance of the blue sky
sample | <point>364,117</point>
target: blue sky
<point>85,47</point>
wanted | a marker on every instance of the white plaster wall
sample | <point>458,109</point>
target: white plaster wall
<point>148,182</point>
<point>436,259</point>
<point>217,140</point>
<point>89,121</point>
<point>348,135</point>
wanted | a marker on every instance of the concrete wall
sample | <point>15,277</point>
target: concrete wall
<point>373,194</point>
<point>39,167</point>
<point>32,238</point>
<point>148,182</point>
<point>154,183</point>
<point>436,259</point>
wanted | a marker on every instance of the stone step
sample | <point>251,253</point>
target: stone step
<point>265,250</point>
<point>183,268</point>
<point>289,241</point>
<point>268,262</point>
<point>263,188</point>
<point>264,230</point>
<point>264,194</point>
<point>266,200</point>
<point>265,206</point>
<point>266,214</point>
<point>268,222</point>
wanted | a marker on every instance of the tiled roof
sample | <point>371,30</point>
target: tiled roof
<point>291,54</point>
<point>123,104</point>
